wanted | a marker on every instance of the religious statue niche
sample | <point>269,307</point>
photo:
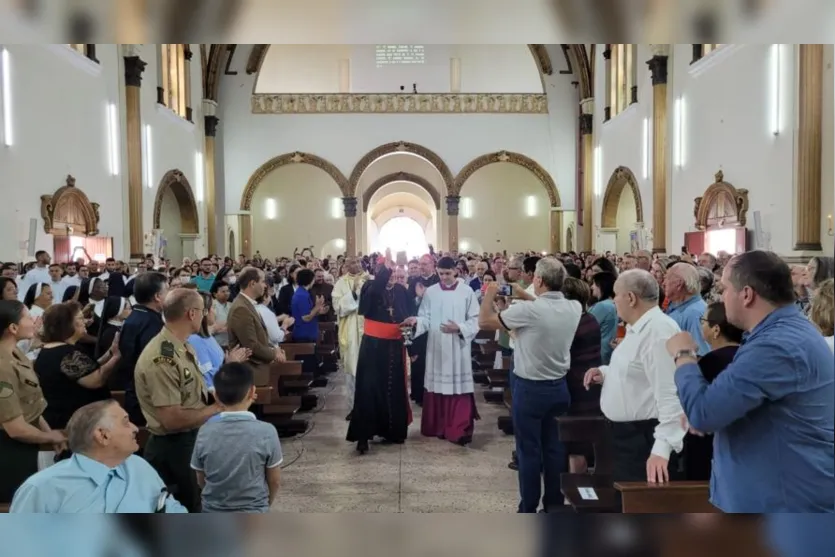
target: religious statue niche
<point>721,206</point>
<point>68,212</point>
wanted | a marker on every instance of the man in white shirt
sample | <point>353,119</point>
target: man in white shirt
<point>639,397</point>
<point>37,274</point>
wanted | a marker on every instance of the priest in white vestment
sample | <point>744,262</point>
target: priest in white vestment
<point>449,316</point>
<point>345,299</point>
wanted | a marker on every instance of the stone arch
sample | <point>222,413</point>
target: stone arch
<point>515,158</point>
<point>176,181</point>
<point>398,147</point>
<point>400,177</point>
<point>292,158</point>
<point>620,179</point>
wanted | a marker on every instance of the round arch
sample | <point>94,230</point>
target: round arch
<point>400,177</point>
<point>176,181</point>
<point>621,178</point>
<point>515,158</point>
<point>291,158</point>
<point>398,147</point>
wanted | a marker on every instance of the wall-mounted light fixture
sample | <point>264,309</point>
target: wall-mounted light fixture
<point>149,157</point>
<point>646,148</point>
<point>829,230</point>
<point>199,172</point>
<point>271,209</point>
<point>467,208</point>
<point>337,211</point>
<point>678,146</point>
<point>530,206</point>
<point>776,88</point>
<point>114,152</point>
<point>6,77</point>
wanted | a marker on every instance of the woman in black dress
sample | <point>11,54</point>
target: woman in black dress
<point>724,340</point>
<point>70,378</point>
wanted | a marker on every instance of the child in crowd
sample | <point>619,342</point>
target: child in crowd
<point>236,457</point>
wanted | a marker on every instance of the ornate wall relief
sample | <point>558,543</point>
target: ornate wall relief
<point>722,205</point>
<point>399,103</point>
<point>68,212</point>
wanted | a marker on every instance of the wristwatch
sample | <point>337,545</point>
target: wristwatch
<point>687,353</point>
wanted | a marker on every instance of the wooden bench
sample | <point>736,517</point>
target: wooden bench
<point>674,497</point>
<point>597,492</point>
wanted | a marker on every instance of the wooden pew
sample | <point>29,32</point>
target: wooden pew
<point>498,379</point>
<point>675,497</point>
<point>636,497</point>
<point>327,349</point>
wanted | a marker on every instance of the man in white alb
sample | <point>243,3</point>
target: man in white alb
<point>449,314</point>
<point>345,298</point>
<point>639,397</point>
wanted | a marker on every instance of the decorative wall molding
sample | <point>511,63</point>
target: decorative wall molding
<point>621,178</point>
<point>399,147</point>
<point>68,212</point>
<point>292,158</point>
<point>722,205</point>
<point>176,181</point>
<point>400,103</point>
<point>419,181</point>
<point>514,158</point>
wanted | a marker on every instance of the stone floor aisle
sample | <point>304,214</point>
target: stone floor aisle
<point>323,473</point>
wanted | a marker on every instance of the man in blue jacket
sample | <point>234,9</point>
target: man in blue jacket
<point>773,409</point>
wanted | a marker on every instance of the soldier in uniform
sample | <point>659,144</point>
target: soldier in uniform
<point>22,426</point>
<point>173,395</point>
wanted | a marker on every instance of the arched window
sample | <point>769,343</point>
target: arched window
<point>702,50</point>
<point>88,50</point>
<point>621,77</point>
<point>174,89</point>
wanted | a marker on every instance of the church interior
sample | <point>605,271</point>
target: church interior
<point>127,158</point>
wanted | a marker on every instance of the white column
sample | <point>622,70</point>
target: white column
<point>344,75</point>
<point>454,75</point>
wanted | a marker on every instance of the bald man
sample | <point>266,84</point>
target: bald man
<point>173,396</point>
<point>683,288</point>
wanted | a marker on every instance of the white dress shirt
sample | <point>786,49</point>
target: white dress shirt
<point>275,332</point>
<point>638,383</point>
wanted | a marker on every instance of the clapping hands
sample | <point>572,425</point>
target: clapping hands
<point>238,354</point>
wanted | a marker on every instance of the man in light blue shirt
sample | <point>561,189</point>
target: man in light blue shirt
<point>102,476</point>
<point>682,287</point>
<point>772,410</point>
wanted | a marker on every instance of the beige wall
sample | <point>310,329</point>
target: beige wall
<point>504,207</point>
<point>627,216</point>
<point>171,224</point>
<point>306,211</point>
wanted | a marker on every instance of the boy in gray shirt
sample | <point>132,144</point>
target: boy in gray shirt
<point>236,457</point>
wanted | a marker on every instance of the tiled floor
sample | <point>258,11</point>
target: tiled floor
<point>323,473</point>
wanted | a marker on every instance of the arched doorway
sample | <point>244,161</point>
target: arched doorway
<point>622,215</point>
<point>176,216</point>
<point>402,234</point>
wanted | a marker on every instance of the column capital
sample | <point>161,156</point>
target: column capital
<point>452,205</point>
<point>131,50</point>
<point>586,124</point>
<point>187,53</point>
<point>210,125</point>
<point>659,49</point>
<point>658,67</point>
<point>587,106</point>
<point>134,66</point>
<point>350,206</point>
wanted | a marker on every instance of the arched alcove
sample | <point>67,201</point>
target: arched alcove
<point>409,202</point>
<point>176,215</point>
<point>513,158</point>
<point>280,161</point>
<point>622,179</point>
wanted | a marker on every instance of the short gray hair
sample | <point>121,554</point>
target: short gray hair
<point>640,283</point>
<point>84,422</point>
<point>552,273</point>
<point>690,275</point>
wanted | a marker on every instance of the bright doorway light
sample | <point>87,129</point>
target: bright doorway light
<point>402,234</point>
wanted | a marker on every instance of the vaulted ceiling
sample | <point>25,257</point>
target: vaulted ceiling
<point>216,60</point>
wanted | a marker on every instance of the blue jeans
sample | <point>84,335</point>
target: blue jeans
<point>536,406</point>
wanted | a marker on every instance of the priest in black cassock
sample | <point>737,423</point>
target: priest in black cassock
<point>417,285</point>
<point>381,402</point>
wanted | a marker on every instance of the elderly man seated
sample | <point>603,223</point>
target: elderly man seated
<point>102,476</point>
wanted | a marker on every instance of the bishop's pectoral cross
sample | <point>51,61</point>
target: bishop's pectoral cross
<point>391,312</point>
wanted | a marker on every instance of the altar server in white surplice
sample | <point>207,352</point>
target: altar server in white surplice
<point>345,299</point>
<point>449,316</point>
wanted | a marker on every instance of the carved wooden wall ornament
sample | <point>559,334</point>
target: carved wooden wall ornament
<point>721,206</point>
<point>68,212</point>
<point>515,158</point>
<point>621,178</point>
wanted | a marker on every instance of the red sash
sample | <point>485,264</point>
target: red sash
<point>391,331</point>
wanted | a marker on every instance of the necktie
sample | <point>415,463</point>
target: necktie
<point>112,492</point>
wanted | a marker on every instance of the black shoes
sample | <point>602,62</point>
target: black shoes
<point>349,416</point>
<point>362,447</point>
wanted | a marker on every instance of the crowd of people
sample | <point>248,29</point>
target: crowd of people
<point>704,366</point>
